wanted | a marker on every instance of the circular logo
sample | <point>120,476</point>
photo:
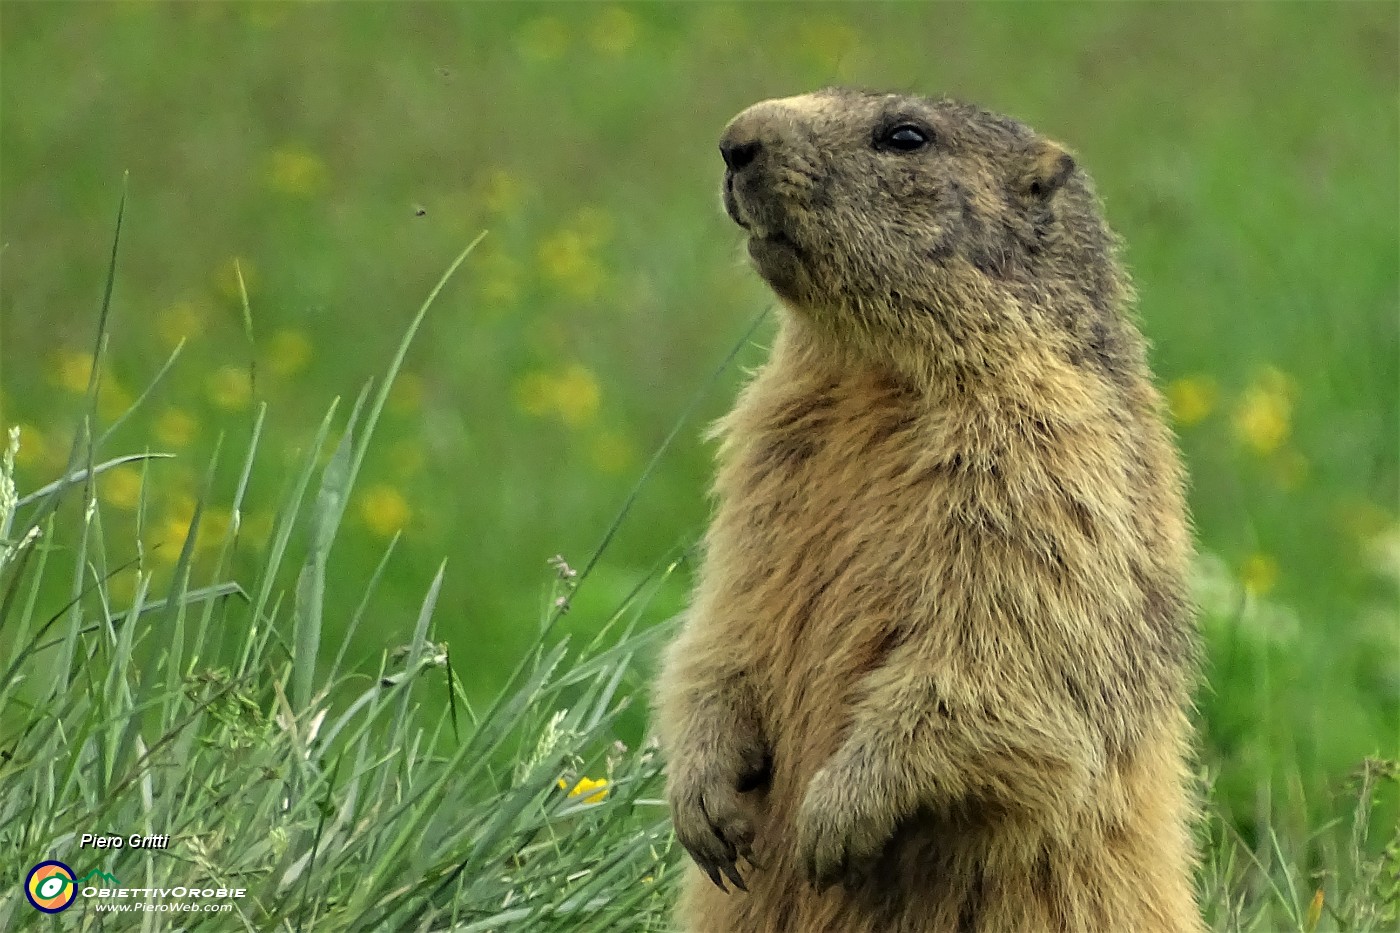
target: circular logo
<point>50,887</point>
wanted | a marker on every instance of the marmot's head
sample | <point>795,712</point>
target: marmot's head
<point>858,204</point>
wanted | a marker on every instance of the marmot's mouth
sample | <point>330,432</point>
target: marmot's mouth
<point>776,238</point>
<point>766,243</point>
<point>731,204</point>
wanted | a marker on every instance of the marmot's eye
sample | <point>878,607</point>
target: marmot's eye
<point>904,138</point>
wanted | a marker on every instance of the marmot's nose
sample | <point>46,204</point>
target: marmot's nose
<point>739,154</point>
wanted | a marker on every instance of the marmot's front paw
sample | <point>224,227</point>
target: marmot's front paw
<point>841,827</point>
<point>711,823</point>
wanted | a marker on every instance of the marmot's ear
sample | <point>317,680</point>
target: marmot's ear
<point>1048,167</point>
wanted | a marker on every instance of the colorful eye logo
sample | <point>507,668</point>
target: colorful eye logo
<point>50,887</point>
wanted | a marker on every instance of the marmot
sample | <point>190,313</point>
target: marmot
<point>937,667</point>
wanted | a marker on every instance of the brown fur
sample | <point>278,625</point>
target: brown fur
<point>937,664</point>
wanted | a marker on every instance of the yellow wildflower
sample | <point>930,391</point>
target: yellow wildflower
<point>175,427</point>
<point>612,452</point>
<point>1192,399</point>
<point>120,487</point>
<point>33,448</point>
<point>113,400</point>
<point>170,532</point>
<point>1314,912</point>
<point>577,395</point>
<point>543,39</point>
<point>563,255</point>
<point>1259,574</point>
<point>383,509</point>
<point>295,171</point>
<point>1264,412</point>
<point>226,278</point>
<point>585,786</point>
<point>406,394</point>
<point>572,394</point>
<point>71,369</point>
<point>568,261</point>
<point>614,30</point>
<point>501,192</point>
<point>169,539</point>
<point>182,506</point>
<point>181,321</point>
<point>499,273</point>
<point>288,352</point>
<point>229,388</point>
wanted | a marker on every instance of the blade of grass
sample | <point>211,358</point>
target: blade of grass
<point>286,522</point>
<point>309,601</point>
<point>145,394</point>
<point>247,328</point>
<point>75,453</point>
<point>174,617</point>
<point>396,364</point>
<point>64,664</point>
<point>75,477</point>
<point>363,607</point>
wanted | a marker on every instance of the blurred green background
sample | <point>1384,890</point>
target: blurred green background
<point>341,155</point>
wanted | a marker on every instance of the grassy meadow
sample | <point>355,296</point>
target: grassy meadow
<point>297,178</point>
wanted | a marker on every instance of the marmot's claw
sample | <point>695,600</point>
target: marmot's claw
<point>719,871</point>
<point>711,825</point>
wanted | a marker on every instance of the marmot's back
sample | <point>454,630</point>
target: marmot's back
<point>937,658</point>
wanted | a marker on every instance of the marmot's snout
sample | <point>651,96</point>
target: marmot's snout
<point>737,155</point>
<point>756,147</point>
<point>764,175</point>
<point>746,134</point>
<point>740,147</point>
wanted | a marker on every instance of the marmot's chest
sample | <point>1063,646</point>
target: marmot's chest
<point>832,508</point>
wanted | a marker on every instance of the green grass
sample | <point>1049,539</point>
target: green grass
<point>330,792</point>
<point>299,172</point>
